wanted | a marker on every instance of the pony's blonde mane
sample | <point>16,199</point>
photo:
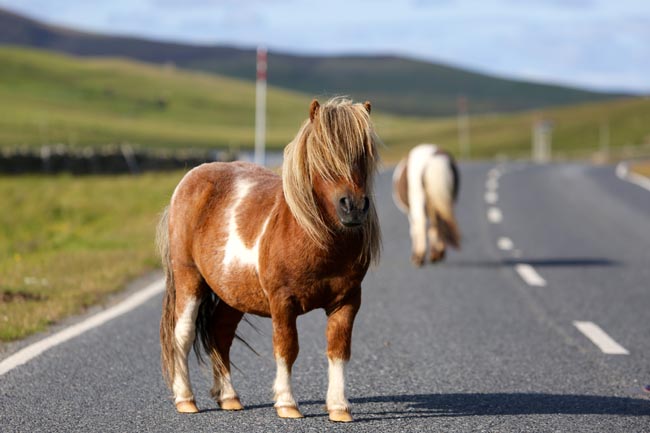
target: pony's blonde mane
<point>329,144</point>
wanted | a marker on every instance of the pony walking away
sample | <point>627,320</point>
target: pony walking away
<point>237,238</point>
<point>425,187</point>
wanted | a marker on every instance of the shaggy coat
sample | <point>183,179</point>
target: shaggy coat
<point>237,238</point>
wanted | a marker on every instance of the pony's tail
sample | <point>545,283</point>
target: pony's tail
<point>206,338</point>
<point>441,186</point>
<point>167,321</point>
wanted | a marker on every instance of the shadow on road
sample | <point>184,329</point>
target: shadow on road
<point>465,405</point>
<point>459,405</point>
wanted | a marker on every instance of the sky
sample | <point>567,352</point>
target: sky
<point>594,44</point>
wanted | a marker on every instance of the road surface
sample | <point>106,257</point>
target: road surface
<point>540,323</point>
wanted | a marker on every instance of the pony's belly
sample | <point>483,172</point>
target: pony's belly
<point>242,291</point>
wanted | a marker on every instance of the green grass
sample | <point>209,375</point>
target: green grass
<point>67,242</point>
<point>50,98</point>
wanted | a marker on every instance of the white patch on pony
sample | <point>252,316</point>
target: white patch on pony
<point>235,249</point>
<point>336,388</point>
<point>282,385</point>
<point>224,387</point>
<point>184,334</point>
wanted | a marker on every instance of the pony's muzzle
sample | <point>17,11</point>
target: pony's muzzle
<point>352,211</point>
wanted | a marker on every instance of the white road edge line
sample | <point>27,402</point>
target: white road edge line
<point>600,338</point>
<point>530,275</point>
<point>625,174</point>
<point>32,351</point>
<point>505,244</point>
<point>494,215</point>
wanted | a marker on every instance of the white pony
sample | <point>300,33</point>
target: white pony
<point>425,187</point>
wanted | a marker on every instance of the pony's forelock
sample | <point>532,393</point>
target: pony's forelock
<point>329,146</point>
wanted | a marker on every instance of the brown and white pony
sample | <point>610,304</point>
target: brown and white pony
<point>238,238</point>
<point>425,187</point>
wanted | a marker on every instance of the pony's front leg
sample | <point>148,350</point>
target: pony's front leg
<point>285,347</point>
<point>339,342</point>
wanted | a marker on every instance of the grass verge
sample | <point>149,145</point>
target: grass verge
<point>68,242</point>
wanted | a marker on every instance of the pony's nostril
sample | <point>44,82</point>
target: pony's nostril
<point>366,204</point>
<point>345,204</point>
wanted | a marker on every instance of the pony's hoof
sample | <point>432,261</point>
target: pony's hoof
<point>231,404</point>
<point>417,260</point>
<point>340,416</point>
<point>436,256</point>
<point>187,407</point>
<point>288,412</point>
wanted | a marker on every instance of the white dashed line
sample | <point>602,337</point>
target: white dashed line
<point>505,244</point>
<point>530,275</point>
<point>491,197</point>
<point>600,338</point>
<point>492,184</point>
<point>32,351</point>
<point>494,173</point>
<point>494,215</point>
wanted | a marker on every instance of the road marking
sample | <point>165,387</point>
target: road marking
<point>491,197</point>
<point>505,244</point>
<point>625,174</point>
<point>32,351</point>
<point>492,184</point>
<point>600,338</point>
<point>494,173</point>
<point>494,215</point>
<point>530,275</point>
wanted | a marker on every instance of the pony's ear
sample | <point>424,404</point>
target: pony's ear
<point>313,109</point>
<point>368,106</point>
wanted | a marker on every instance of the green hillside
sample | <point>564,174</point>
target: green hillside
<point>51,98</point>
<point>400,85</point>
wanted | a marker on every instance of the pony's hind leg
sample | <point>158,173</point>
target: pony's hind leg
<point>436,244</point>
<point>285,347</point>
<point>178,331</point>
<point>418,228</point>
<point>339,341</point>
<point>184,334</point>
<point>224,325</point>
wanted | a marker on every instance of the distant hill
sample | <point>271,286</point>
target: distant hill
<point>50,98</point>
<point>394,84</point>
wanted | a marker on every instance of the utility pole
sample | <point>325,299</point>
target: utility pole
<point>542,140</point>
<point>260,106</point>
<point>463,127</point>
<point>604,139</point>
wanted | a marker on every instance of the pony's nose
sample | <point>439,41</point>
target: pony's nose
<point>352,211</point>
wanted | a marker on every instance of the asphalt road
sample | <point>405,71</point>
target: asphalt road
<point>466,345</point>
